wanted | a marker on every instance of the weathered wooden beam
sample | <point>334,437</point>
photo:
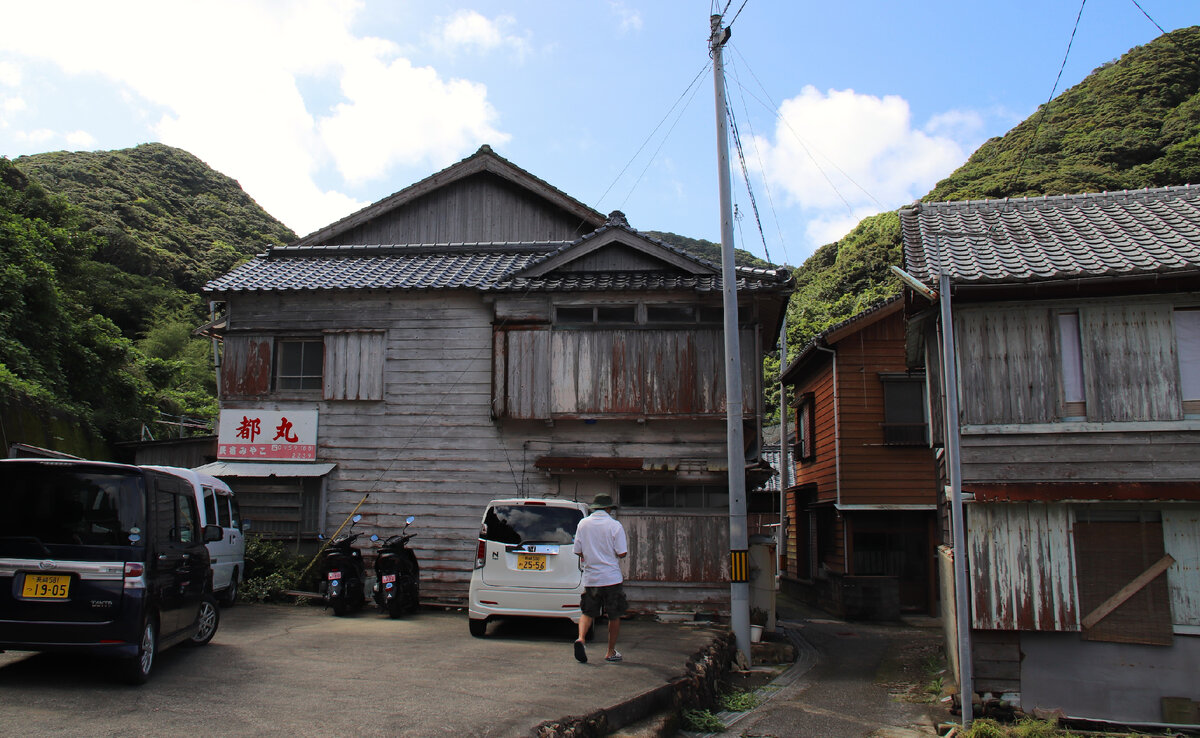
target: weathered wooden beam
<point>1129,590</point>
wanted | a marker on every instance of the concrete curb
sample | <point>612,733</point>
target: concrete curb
<point>698,685</point>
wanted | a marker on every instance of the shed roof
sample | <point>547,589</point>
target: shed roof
<point>1108,235</point>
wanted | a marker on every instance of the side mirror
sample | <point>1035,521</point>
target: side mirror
<point>213,533</point>
<point>374,538</point>
<point>408,520</point>
<point>320,536</point>
<point>245,525</point>
<point>356,518</point>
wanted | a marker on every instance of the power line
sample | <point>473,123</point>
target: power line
<point>688,89</point>
<point>1042,114</point>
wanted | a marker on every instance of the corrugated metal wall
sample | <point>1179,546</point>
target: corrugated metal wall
<point>1022,567</point>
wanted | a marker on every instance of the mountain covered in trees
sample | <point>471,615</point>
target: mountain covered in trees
<point>104,254</point>
<point>1130,124</point>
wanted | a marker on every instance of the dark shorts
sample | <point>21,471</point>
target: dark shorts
<point>610,599</point>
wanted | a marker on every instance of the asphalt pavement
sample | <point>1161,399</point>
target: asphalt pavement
<point>850,680</point>
<point>279,670</point>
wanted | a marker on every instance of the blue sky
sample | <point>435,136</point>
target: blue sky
<point>319,107</point>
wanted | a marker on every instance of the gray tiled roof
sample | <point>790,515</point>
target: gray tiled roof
<point>1112,234</point>
<point>482,266</point>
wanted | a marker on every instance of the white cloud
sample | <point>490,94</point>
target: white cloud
<point>39,136</point>
<point>80,140</point>
<point>631,20</point>
<point>10,74</point>
<point>469,31</point>
<point>222,76</point>
<point>841,155</point>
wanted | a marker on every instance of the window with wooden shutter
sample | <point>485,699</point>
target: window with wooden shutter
<point>1187,347</point>
<point>806,427</point>
<point>353,365</point>
<point>1117,553</point>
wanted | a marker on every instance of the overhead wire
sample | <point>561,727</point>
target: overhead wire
<point>1042,113</point>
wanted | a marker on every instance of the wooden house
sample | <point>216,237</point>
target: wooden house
<point>862,507</point>
<point>1076,326</point>
<point>480,335</point>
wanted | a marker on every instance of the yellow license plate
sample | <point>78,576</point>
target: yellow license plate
<point>46,586</point>
<point>533,562</point>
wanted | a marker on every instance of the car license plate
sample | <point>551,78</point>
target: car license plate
<point>389,578</point>
<point>335,575</point>
<point>532,562</point>
<point>46,586</point>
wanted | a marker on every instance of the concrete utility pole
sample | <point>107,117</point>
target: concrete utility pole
<point>966,681</point>
<point>739,548</point>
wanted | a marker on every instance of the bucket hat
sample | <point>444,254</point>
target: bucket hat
<point>602,502</point>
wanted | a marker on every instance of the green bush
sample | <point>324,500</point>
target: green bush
<point>271,570</point>
<point>740,701</point>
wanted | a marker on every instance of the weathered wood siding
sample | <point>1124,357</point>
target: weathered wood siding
<point>480,208</point>
<point>1130,366</point>
<point>873,473</point>
<point>1007,370</point>
<point>1022,569</point>
<point>1181,539</point>
<point>431,448</point>
<point>658,540</point>
<point>1081,452</point>
<point>633,372</point>
<point>353,365</point>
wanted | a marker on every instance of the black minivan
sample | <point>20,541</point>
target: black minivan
<point>102,558</point>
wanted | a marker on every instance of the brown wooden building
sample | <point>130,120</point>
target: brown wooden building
<point>862,509</point>
<point>481,335</point>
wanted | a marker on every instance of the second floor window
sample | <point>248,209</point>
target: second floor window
<point>806,425</point>
<point>299,365</point>
<point>903,410</point>
<point>1187,345</point>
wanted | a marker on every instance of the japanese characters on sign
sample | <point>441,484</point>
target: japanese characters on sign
<point>280,435</point>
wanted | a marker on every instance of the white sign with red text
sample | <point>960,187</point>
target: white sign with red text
<point>280,435</point>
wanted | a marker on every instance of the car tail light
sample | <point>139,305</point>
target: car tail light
<point>480,550</point>
<point>133,569</point>
<point>533,502</point>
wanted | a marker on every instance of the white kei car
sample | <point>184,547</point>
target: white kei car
<point>524,562</point>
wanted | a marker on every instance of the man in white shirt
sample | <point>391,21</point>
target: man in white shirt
<point>600,543</point>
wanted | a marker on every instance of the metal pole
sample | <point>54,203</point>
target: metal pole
<point>739,586</point>
<point>784,467</point>
<point>966,687</point>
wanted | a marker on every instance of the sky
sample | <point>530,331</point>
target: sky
<point>321,107</point>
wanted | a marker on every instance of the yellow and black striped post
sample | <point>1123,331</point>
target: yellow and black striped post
<point>739,566</point>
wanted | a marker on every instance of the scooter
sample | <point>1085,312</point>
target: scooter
<point>345,572</point>
<point>397,574</point>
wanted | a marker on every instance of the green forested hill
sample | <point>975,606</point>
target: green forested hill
<point>103,256</point>
<point>1130,124</point>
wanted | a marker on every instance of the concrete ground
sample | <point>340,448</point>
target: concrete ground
<point>850,680</point>
<point>278,670</point>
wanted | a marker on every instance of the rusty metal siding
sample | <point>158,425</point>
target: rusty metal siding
<point>353,365</point>
<point>1130,367</point>
<point>246,366</point>
<point>627,372</point>
<point>1181,539</point>
<point>1022,569</point>
<point>677,547</point>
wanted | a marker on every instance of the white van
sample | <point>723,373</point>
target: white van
<point>218,506</point>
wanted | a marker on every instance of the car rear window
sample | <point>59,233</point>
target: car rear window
<point>47,506</point>
<point>513,524</point>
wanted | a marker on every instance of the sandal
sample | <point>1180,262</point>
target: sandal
<point>580,652</point>
<point>614,658</point>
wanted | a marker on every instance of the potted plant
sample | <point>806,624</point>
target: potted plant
<point>758,621</point>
